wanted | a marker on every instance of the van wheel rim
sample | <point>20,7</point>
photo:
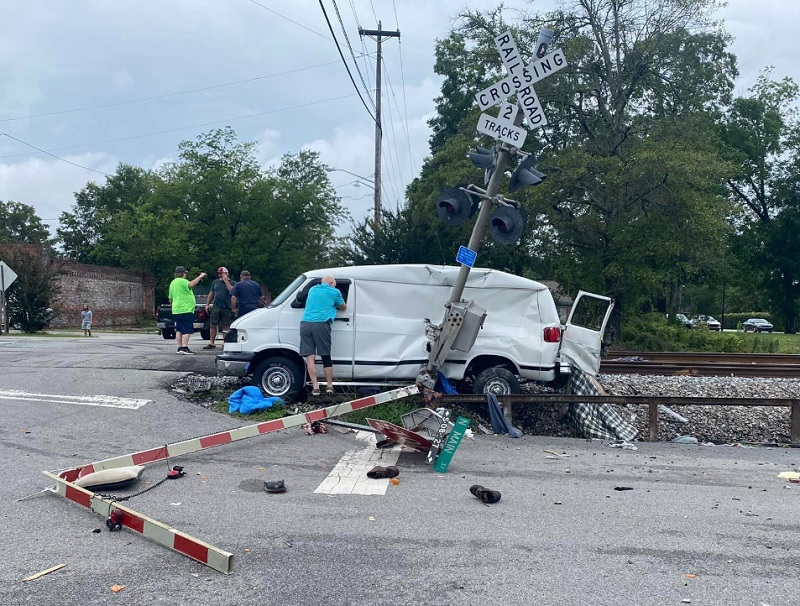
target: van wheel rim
<point>277,381</point>
<point>497,387</point>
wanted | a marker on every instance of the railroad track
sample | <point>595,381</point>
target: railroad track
<point>702,364</point>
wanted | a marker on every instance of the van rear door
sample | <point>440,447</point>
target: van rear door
<point>582,338</point>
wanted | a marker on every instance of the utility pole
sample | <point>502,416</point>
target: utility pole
<point>378,35</point>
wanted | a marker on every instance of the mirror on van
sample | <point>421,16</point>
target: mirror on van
<point>343,286</point>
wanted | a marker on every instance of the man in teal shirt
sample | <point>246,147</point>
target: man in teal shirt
<point>183,302</point>
<point>315,330</point>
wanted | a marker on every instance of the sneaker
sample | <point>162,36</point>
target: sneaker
<point>184,351</point>
<point>188,351</point>
<point>180,350</point>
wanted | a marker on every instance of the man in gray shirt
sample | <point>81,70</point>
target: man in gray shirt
<point>219,304</point>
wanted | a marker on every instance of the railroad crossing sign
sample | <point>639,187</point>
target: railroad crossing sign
<point>520,81</point>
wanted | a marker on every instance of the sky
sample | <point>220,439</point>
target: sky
<point>99,82</point>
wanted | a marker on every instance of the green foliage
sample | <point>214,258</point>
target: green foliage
<point>653,332</point>
<point>214,206</point>
<point>20,223</point>
<point>33,293</point>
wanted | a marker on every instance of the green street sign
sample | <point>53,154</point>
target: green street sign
<point>453,440</point>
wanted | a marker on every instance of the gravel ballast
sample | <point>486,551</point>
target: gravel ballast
<point>717,424</point>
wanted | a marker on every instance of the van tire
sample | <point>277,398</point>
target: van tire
<point>497,380</point>
<point>279,376</point>
<point>205,334</point>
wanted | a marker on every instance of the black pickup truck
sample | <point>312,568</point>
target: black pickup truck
<point>166,325</point>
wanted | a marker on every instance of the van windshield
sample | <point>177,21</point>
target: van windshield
<point>287,292</point>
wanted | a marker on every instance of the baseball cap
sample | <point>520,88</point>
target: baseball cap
<point>180,269</point>
<point>222,269</point>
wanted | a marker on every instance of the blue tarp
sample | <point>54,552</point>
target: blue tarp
<point>248,400</point>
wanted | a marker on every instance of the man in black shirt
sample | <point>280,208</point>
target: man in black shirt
<point>246,294</point>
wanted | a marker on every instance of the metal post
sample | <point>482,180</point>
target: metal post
<point>3,296</point>
<point>379,34</point>
<point>794,435</point>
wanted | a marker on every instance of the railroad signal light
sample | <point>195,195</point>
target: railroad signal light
<point>485,158</point>
<point>454,206</point>
<point>525,175</point>
<point>507,224</point>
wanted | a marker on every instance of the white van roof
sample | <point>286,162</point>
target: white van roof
<point>441,275</point>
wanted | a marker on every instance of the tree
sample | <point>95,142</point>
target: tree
<point>20,223</point>
<point>33,293</point>
<point>763,134</point>
<point>82,231</point>
<point>629,148</point>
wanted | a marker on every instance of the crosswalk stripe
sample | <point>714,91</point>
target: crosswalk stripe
<point>349,475</point>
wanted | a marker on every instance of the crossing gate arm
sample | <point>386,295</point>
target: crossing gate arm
<point>176,449</point>
<point>169,537</point>
<point>215,558</point>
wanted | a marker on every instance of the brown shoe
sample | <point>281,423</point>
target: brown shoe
<point>210,346</point>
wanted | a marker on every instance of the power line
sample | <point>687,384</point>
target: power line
<point>341,54</point>
<point>44,151</point>
<point>352,54</point>
<point>166,95</point>
<point>405,107</point>
<point>408,137</point>
<point>174,130</point>
<point>287,18</point>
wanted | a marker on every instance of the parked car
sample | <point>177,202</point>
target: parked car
<point>709,321</point>
<point>687,323</point>
<point>380,339</point>
<point>202,322</point>
<point>756,325</point>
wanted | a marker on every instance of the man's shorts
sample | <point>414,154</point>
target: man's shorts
<point>221,316</point>
<point>315,337</point>
<point>184,323</point>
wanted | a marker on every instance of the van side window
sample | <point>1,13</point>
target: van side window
<point>343,286</point>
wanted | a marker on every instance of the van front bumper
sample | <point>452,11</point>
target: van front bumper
<point>233,364</point>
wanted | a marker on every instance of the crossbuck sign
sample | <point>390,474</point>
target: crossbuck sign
<point>520,81</point>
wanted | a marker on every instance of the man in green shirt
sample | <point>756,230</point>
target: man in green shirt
<point>183,303</point>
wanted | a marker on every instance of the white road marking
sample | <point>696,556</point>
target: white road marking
<point>105,401</point>
<point>349,476</point>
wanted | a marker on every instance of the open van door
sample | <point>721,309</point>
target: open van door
<point>583,332</point>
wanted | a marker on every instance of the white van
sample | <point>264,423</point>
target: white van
<point>380,339</point>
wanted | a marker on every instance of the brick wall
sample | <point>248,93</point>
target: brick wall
<point>115,296</point>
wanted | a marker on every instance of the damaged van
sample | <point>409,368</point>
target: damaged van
<point>384,335</point>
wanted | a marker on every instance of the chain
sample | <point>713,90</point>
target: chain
<point>118,499</point>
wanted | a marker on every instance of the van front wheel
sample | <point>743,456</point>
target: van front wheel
<point>497,380</point>
<point>279,376</point>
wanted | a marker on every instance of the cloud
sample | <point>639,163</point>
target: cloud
<point>49,185</point>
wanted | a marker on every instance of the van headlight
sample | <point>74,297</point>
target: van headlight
<point>235,336</point>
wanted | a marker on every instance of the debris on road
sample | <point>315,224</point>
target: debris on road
<point>378,472</point>
<point>275,486</point>
<point>117,588</point>
<point>625,445</point>
<point>685,440</point>
<point>621,488</point>
<point>485,494</point>
<point>33,577</point>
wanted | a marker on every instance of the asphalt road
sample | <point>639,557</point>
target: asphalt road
<point>561,535</point>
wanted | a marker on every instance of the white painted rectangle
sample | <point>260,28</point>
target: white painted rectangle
<point>502,130</point>
<point>349,476</point>
<point>509,53</point>
<point>531,108</point>
<point>104,401</point>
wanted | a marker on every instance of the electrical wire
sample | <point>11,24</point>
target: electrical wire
<point>174,130</point>
<point>287,18</point>
<point>344,61</point>
<point>39,149</point>
<point>166,95</point>
<point>391,121</point>
<point>352,54</point>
